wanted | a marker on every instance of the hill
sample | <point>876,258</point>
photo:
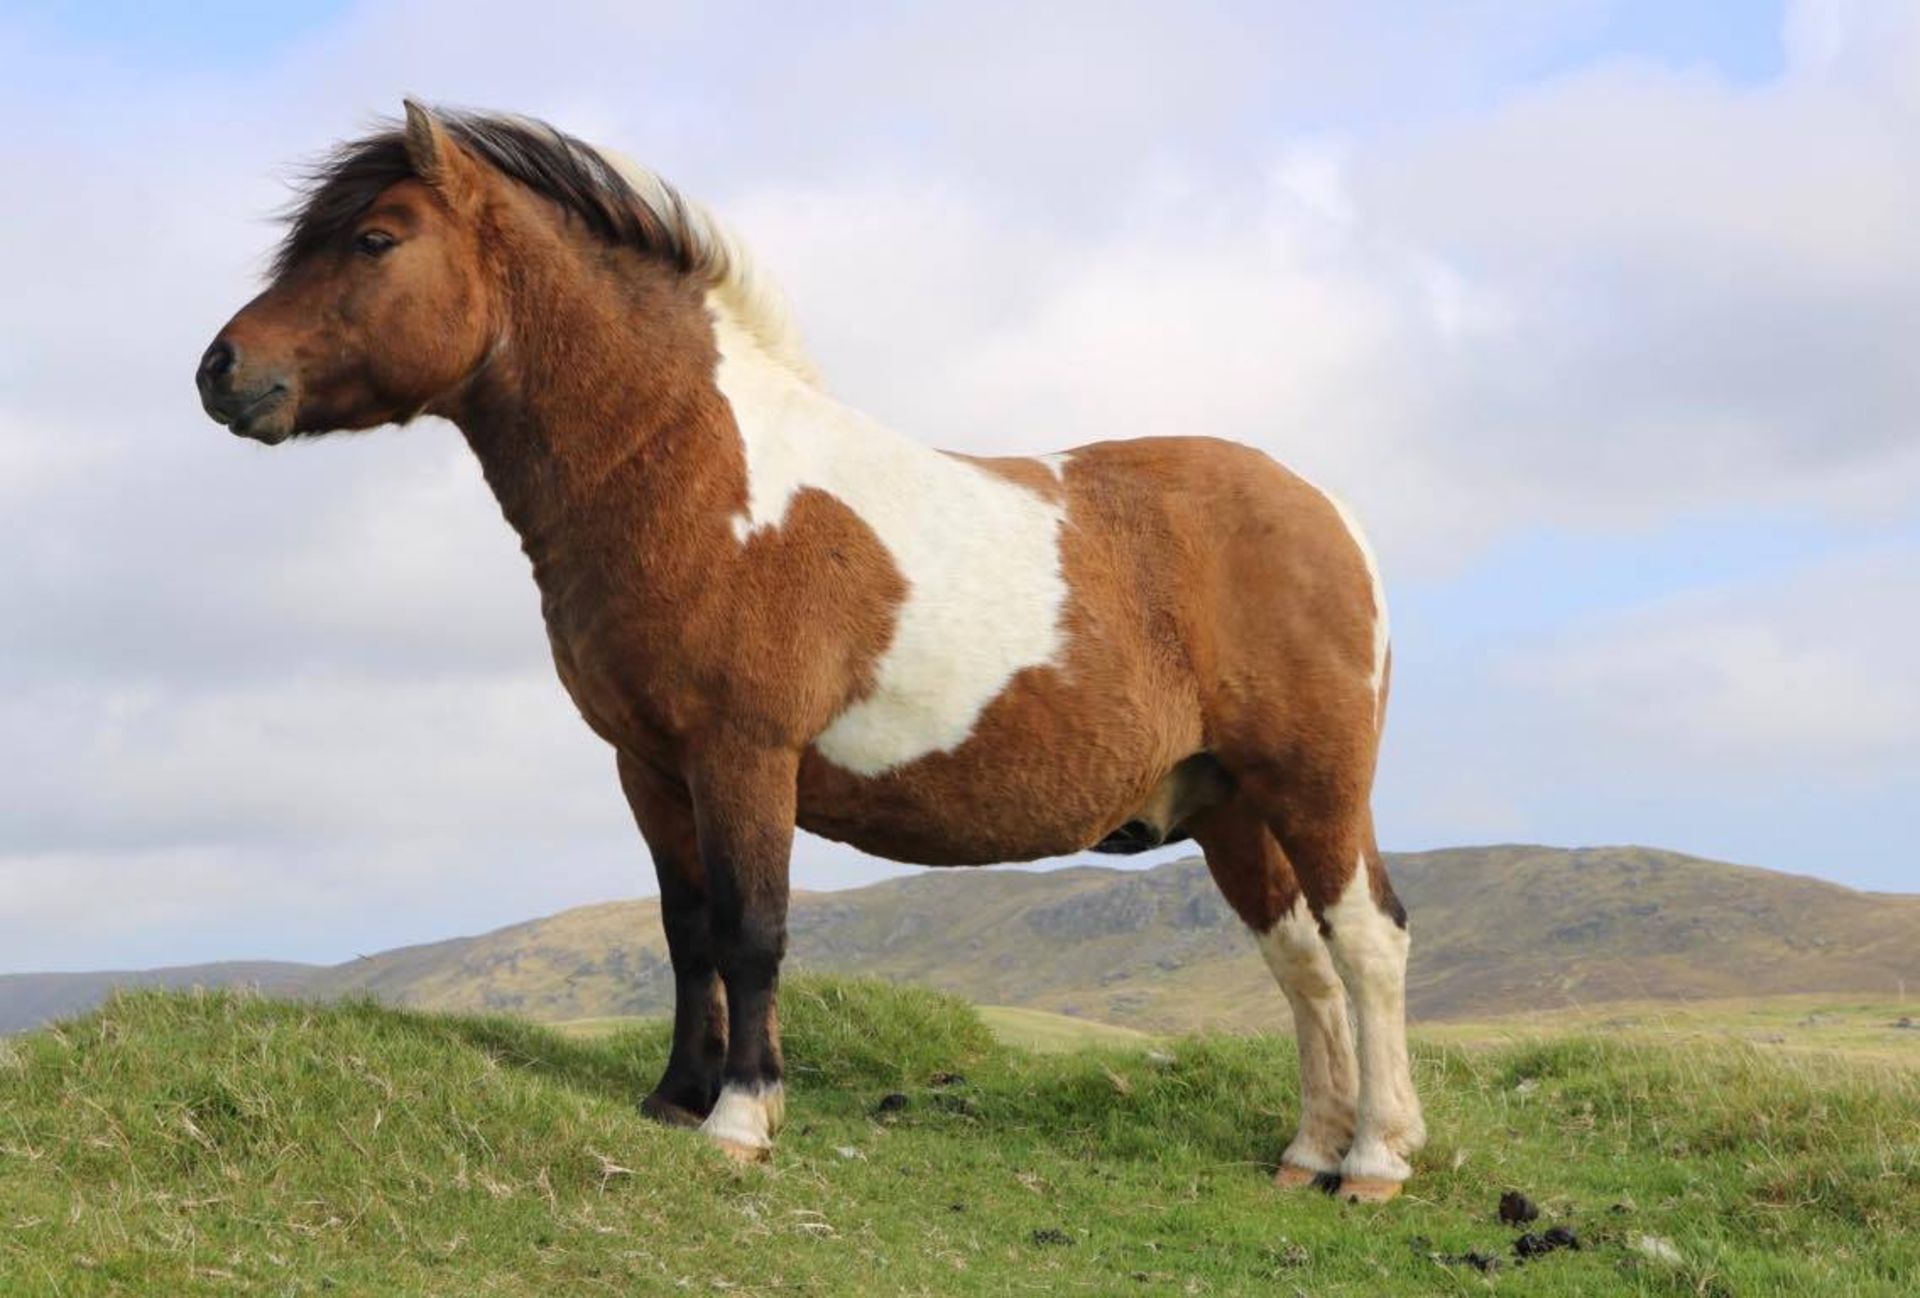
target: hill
<point>219,1143</point>
<point>1497,931</point>
<point>31,998</point>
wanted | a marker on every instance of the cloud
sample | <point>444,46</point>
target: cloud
<point>1709,289</point>
<point>1807,672</point>
<point>1767,718</point>
<point>306,692</point>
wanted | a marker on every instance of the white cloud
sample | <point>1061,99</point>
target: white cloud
<point>1811,672</point>
<point>1710,290</point>
<point>1622,295</point>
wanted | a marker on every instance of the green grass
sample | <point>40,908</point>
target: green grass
<point>218,1144</point>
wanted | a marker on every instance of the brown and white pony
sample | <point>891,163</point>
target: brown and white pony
<point>780,613</point>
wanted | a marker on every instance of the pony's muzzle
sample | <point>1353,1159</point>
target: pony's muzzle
<point>247,409</point>
<point>217,365</point>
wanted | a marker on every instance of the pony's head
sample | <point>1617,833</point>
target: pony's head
<point>397,280</point>
<point>380,300</point>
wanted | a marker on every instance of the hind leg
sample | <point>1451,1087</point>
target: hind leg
<point>1254,876</point>
<point>1330,843</point>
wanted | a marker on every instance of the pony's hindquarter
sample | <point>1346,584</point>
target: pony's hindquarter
<point>1294,676</point>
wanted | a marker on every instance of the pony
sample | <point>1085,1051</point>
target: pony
<point>779,613</point>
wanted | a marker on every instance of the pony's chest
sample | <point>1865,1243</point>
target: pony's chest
<point>608,679</point>
<point>603,713</point>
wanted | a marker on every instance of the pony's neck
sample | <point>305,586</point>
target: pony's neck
<point>595,419</point>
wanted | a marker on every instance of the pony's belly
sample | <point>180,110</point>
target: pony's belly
<point>988,801</point>
<point>951,833</point>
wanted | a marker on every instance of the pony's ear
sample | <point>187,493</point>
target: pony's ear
<point>438,159</point>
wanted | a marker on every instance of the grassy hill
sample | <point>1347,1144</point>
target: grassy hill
<point>30,998</point>
<point>1857,1030</point>
<point>225,1144</point>
<point>1497,930</point>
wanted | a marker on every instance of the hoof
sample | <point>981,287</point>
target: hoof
<point>1293,1177</point>
<point>1367,1189</point>
<point>667,1113</point>
<point>740,1153</point>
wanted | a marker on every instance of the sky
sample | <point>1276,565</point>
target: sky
<point>1603,317</point>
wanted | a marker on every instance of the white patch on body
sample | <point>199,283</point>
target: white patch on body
<point>747,1115</point>
<point>1056,464</point>
<point>1303,966</point>
<point>1380,628</point>
<point>1370,950</point>
<point>980,554</point>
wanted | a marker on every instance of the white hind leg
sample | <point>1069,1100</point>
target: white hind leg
<point>1329,842</point>
<point>1369,945</point>
<point>1304,969</point>
<point>1257,881</point>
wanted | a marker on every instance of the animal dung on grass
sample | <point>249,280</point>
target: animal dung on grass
<point>1531,1245</point>
<point>1516,1209</point>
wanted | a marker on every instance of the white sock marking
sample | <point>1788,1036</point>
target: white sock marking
<point>1302,965</point>
<point>1370,951</point>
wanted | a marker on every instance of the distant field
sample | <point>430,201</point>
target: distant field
<point>1039,1030</point>
<point>600,1028</point>
<point>1856,1027</point>
<point>181,1144</point>
<point>1028,1029</point>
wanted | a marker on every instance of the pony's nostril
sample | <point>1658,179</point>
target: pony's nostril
<point>218,362</point>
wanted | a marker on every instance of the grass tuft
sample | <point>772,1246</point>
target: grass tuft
<point>219,1143</point>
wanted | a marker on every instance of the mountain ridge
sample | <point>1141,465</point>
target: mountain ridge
<point>1498,929</point>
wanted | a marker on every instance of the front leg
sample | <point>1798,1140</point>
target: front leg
<point>663,809</point>
<point>743,804</point>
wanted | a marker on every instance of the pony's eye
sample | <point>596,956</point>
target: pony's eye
<point>374,243</point>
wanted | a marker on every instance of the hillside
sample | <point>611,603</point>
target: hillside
<point>1497,930</point>
<point>27,999</point>
<point>221,1144</point>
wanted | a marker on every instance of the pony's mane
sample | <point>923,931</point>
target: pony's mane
<point>618,200</point>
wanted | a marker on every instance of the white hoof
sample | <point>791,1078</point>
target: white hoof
<point>1371,1161</point>
<point>744,1121</point>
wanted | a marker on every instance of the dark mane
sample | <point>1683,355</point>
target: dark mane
<point>547,161</point>
<point>619,201</point>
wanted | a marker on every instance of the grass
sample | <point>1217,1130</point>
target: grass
<point>221,1144</point>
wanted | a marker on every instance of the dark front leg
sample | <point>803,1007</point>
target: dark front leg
<point>744,808</point>
<point>687,1089</point>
